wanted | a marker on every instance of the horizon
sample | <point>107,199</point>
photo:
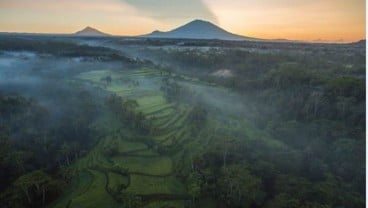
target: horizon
<point>313,21</point>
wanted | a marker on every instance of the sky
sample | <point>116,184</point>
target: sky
<point>312,20</point>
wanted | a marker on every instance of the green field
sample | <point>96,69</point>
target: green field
<point>137,168</point>
<point>123,122</point>
<point>148,172</point>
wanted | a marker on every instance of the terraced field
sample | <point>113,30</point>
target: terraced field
<point>137,171</point>
<point>129,170</point>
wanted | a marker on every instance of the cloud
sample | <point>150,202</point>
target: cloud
<point>173,10</point>
<point>65,5</point>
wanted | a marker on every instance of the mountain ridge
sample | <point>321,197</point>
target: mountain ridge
<point>199,29</point>
<point>90,31</point>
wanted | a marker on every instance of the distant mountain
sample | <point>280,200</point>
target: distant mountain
<point>90,31</point>
<point>361,42</point>
<point>198,29</point>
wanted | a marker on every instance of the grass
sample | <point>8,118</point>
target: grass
<point>106,123</point>
<point>145,73</point>
<point>150,173</point>
<point>118,88</point>
<point>176,138</point>
<point>145,165</point>
<point>177,115</point>
<point>168,142</point>
<point>164,137</point>
<point>254,133</point>
<point>155,108</point>
<point>185,137</point>
<point>161,111</point>
<point>94,76</point>
<point>96,195</point>
<point>116,180</point>
<point>151,100</point>
<point>89,186</point>
<point>151,185</point>
<point>146,153</point>
<point>141,72</point>
<point>122,80</point>
<point>79,185</point>
<point>181,121</point>
<point>165,113</point>
<point>125,146</point>
<point>161,204</point>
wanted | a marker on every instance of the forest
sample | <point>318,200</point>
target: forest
<point>114,122</point>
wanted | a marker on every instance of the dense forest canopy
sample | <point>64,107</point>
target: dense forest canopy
<point>114,122</point>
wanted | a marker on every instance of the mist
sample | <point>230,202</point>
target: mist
<point>180,123</point>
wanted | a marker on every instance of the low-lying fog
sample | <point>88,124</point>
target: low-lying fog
<point>46,79</point>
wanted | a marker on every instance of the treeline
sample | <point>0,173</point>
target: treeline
<point>60,48</point>
<point>126,111</point>
<point>311,101</point>
<point>37,145</point>
<point>238,172</point>
<point>253,62</point>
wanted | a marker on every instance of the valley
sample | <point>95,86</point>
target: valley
<point>159,123</point>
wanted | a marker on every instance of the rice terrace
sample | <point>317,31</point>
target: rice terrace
<point>190,117</point>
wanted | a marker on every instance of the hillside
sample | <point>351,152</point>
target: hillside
<point>90,31</point>
<point>198,29</point>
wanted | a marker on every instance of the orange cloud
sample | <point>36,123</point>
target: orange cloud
<point>50,16</point>
<point>292,19</point>
<point>304,20</point>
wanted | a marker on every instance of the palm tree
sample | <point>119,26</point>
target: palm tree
<point>128,111</point>
<point>66,151</point>
<point>74,146</point>
<point>130,105</point>
<point>18,159</point>
<point>38,179</point>
<point>228,141</point>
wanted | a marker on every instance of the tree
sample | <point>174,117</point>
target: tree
<point>171,89</point>
<point>129,105</point>
<point>314,104</point>
<point>107,79</point>
<point>348,159</point>
<point>75,149</point>
<point>197,117</point>
<point>66,151</point>
<point>239,187</point>
<point>4,149</point>
<point>194,183</point>
<point>34,185</point>
<point>283,201</point>
<point>226,145</point>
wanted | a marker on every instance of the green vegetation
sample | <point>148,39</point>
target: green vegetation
<point>40,148</point>
<point>287,129</point>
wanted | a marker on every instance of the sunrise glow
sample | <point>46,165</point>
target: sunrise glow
<point>328,20</point>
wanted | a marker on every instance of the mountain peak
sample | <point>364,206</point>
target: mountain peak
<point>198,29</point>
<point>199,21</point>
<point>89,28</point>
<point>90,31</point>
